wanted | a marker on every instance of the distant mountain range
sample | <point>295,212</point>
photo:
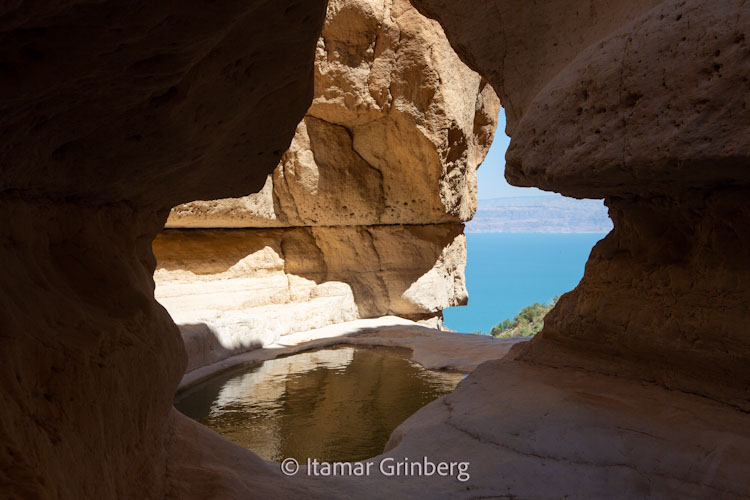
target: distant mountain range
<point>540,214</point>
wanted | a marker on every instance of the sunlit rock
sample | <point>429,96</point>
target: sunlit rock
<point>368,200</point>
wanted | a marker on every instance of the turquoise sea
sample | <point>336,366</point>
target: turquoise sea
<point>506,272</point>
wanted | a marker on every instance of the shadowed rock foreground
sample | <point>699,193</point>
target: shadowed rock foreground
<point>639,103</point>
<point>114,112</point>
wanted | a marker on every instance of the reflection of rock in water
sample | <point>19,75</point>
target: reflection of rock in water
<point>266,383</point>
<point>262,388</point>
<point>333,404</point>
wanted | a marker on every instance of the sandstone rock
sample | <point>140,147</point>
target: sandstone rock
<point>606,438</point>
<point>520,47</point>
<point>246,288</point>
<point>111,113</point>
<point>83,345</point>
<point>642,103</point>
<point>679,307</point>
<point>646,124</point>
<point>155,106</point>
<point>395,133</point>
<point>609,438</point>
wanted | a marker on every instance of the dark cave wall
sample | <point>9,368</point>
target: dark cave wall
<point>111,113</point>
<point>643,104</point>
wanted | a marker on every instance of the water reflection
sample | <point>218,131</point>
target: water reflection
<point>336,404</point>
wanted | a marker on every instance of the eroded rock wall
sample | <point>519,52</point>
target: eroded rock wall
<point>368,202</point>
<point>73,354</point>
<point>111,113</point>
<point>242,289</point>
<point>642,103</point>
<point>396,130</point>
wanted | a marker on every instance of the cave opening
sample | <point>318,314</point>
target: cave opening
<point>358,233</point>
<point>249,291</point>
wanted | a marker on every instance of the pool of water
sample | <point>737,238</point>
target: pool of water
<point>335,404</point>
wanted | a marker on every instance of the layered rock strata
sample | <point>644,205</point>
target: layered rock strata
<point>366,205</point>
<point>245,288</point>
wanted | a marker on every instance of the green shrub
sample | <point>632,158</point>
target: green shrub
<point>526,323</point>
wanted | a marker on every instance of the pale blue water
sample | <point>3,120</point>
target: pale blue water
<point>506,272</point>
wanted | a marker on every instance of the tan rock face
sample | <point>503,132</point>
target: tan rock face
<point>643,103</point>
<point>678,307</point>
<point>248,287</point>
<point>396,130</point>
<point>647,123</point>
<point>395,133</point>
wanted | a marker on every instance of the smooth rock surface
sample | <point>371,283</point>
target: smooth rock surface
<point>111,113</point>
<point>644,104</point>
<point>151,104</point>
<point>558,432</point>
<point>434,349</point>
<point>545,433</point>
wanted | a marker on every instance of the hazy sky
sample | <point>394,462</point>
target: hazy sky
<point>491,176</point>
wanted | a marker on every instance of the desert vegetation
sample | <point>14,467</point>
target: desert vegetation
<point>526,323</point>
